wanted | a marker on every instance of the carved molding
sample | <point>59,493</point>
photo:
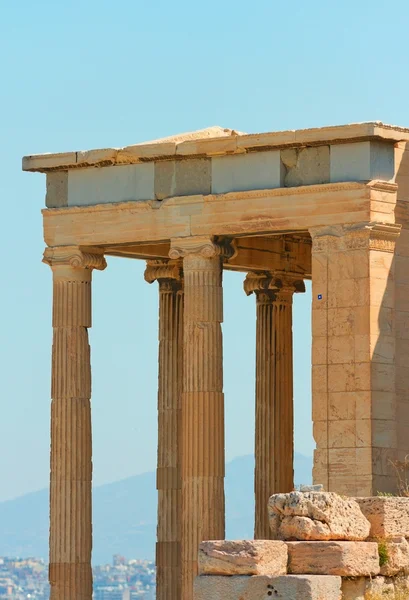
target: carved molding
<point>289,282</point>
<point>257,282</point>
<point>206,246</point>
<point>273,283</point>
<point>163,271</point>
<point>372,236</point>
<point>75,257</point>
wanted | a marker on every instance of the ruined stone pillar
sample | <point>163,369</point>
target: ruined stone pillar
<point>202,399</point>
<point>70,572</point>
<point>168,478</point>
<point>354,383</point>
<point>274,436</point>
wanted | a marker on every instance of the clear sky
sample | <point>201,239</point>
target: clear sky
<point>90,74</point>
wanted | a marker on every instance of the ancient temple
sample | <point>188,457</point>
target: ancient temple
<point>326,204</point>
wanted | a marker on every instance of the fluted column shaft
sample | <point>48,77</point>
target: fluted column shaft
<point>70,572</point>
<point>274,391</point>
<point>202,404</point>
<point>168,479</point>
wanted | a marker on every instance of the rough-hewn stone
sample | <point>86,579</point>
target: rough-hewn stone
<point>388,516</point>
<point>287,587</point>
<point>244,557</point>
<point>305,166</point>
<point>316,516</point>
<point>348,559</point>
<point>396,557</point>
<point>375,588</point>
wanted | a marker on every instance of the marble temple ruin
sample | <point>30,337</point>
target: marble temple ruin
<point>328,205</point>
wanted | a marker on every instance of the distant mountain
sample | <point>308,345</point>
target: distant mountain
<point>125,514</point>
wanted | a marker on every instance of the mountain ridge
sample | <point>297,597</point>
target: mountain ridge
<point>124,513</point>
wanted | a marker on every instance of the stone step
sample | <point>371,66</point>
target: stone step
<point>263,587</point>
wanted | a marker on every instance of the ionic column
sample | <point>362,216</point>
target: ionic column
<point>70,572</point>
<point>202,399</point>
<point>168,482</point>
<point>274,389</point>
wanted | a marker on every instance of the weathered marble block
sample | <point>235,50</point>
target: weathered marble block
<point>396,553</point>
<point>365,588</point>
<point>347,559</point>
<point>316,516</point>
<point>286,587</point>
<point>388,516</point>
<point>243,557</point>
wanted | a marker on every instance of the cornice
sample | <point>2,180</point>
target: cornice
<point>235,143</point>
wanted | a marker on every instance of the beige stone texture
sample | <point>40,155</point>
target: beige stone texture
<point>57,189</point>
<point>316,516</point>
<point>397,557</point>
<point>388,516</point>
<point>182,178</point>
<point>150,199</point>
<point>249,212</point>
<point>202,400</point>
<point>244,557</point>
<point>288,587</point>
<point>306,166</point>
<point>168,478</point>
<point>210,141</point>
<point>356,372</point>
<point>70,572</point>
<point>374,588</point>
<point>347,559</point>
<point>274,443</point>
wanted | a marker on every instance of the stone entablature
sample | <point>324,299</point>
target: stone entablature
<point>215,141</point>
<point>227,163</point>
<point>326,204</point>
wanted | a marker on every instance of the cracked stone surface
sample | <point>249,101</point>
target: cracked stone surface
<point>316,516</point>
<point>243,557</point>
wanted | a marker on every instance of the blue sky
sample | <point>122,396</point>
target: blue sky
<point>79,75</point>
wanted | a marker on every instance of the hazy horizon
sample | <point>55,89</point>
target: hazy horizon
<point>93,75</point>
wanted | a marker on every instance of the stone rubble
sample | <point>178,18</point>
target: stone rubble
<point>388,515</point>
<point>397,557</point>
<point>326,549</point>
<point>316,516</point>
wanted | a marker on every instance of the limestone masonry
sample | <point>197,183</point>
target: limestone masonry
<point>328,205</point>
<point>314,569</point>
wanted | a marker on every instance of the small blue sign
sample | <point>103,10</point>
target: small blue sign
<point>319,296</point>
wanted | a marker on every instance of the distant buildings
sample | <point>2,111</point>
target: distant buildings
<point>27,579</point>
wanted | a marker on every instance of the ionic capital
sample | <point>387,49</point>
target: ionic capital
<point>164,271</point>
<point>273,283</point>
<point>205,246</point>
<point>259,283</point>
<point>75,257</point>
<point>289,283</point>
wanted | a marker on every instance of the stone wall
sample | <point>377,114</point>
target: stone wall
<point>326,547</point>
